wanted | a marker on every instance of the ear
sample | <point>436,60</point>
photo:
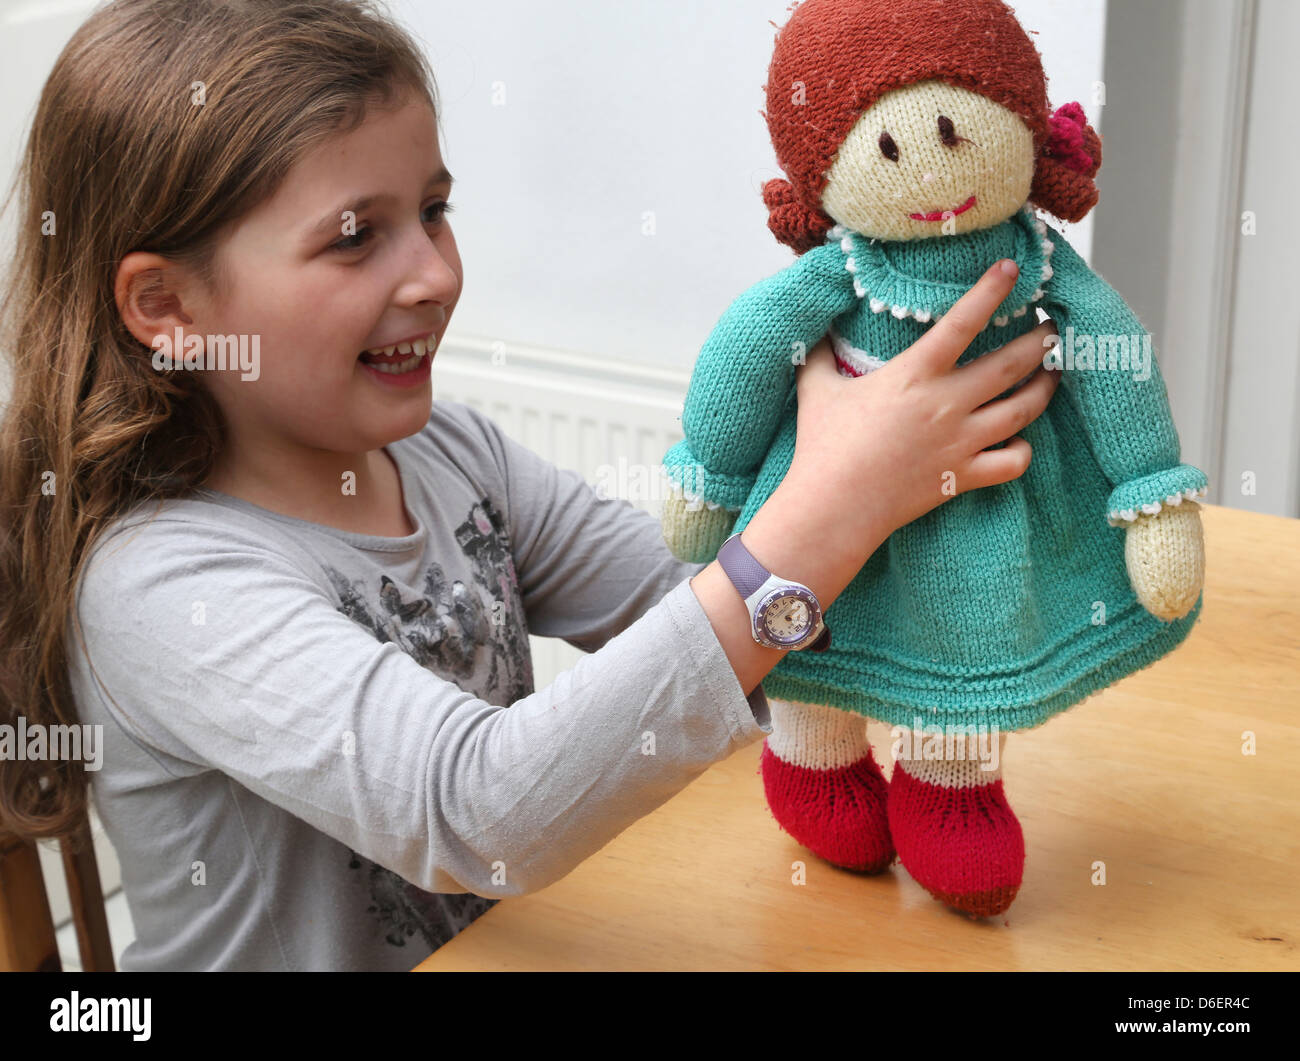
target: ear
<point>148,291</point>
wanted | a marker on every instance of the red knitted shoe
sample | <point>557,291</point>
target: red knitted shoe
<point>839,813</point>
<point>963,845</point>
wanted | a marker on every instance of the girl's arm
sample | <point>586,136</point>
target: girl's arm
<point>744,375</point>
<point>588,566</point>
<point>1123,404</point>
<point>306,709</point>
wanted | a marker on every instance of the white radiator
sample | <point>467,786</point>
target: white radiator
<point>610,421</point>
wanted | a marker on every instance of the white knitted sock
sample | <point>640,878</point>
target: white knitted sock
<point>963,763</point>
<point>816,736</point>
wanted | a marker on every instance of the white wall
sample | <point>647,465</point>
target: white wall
<point>612,111</point>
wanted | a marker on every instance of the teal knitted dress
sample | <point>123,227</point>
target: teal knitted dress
<point>1004,605</point>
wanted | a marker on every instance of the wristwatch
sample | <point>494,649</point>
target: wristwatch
<point>785,614</point>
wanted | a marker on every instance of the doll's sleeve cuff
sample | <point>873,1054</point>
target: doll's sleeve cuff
<point>1149,494</point>
<point>698,483</point>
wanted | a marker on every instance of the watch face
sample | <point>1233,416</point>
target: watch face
<point>787,616</point>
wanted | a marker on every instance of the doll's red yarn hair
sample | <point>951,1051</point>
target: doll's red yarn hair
<point>834,58</point>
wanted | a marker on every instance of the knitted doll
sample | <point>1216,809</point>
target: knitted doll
<point>916,136</point>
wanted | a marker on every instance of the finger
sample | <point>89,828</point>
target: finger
<point>989,376</point>
<point>990,467</point>
<point>1001,419</point>
<point>940,347</point>
<point>818,366</point>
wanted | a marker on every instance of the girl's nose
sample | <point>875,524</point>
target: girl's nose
<point>432,279</point>
<point>927,178</point>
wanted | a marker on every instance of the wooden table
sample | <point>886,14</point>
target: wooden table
<point>1201,843</point>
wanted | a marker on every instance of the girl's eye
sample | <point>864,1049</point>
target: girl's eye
<point>888,148</point>
<point>443,208</point>
<point>362,235</point>
<point>947,133</point>
<point>346,244</point>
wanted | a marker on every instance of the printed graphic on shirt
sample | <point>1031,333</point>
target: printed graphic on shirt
<point>470,633</point>
<point>483,539</point>
<point>401,909</point>
<point>455,629</point>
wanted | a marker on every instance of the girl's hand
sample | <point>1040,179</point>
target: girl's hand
<point>885,448</point>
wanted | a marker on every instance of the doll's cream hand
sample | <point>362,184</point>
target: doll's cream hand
<point>693,531</point>
<point>1165,555</point>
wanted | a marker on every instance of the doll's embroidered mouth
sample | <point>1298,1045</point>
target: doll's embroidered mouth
<point>938,215</point>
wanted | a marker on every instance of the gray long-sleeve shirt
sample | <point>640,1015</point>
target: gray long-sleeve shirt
<point>323,750</point>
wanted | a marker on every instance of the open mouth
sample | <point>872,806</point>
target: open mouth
<point>940,215</point>
<point>394,366</point>
<point>401,358</point>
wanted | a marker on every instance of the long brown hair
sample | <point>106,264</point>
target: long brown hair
<point>128,152</point>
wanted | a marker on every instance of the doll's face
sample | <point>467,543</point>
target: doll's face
<point>930,159</point>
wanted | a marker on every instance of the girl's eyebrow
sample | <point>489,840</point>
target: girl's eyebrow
<point>356,205</point>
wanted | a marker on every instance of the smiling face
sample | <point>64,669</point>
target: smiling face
<point>930,159</point>
<point>320,286</point>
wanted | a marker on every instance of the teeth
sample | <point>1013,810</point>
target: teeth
<point>419,346</point>
<point>398,367</point>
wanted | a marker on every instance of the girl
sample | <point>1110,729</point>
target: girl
<point>292,591</point>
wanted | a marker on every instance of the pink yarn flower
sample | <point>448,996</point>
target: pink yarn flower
<point>1065,137</point>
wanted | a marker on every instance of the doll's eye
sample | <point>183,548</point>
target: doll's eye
<point>947,133</point>
<point>888,148</point>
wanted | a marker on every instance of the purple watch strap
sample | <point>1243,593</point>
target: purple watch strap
<point>746,573</point>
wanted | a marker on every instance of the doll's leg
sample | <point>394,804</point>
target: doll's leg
<point>824,787</point>
<point>949,817</point>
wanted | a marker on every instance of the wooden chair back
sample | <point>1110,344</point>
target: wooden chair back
<point>27,938</point>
